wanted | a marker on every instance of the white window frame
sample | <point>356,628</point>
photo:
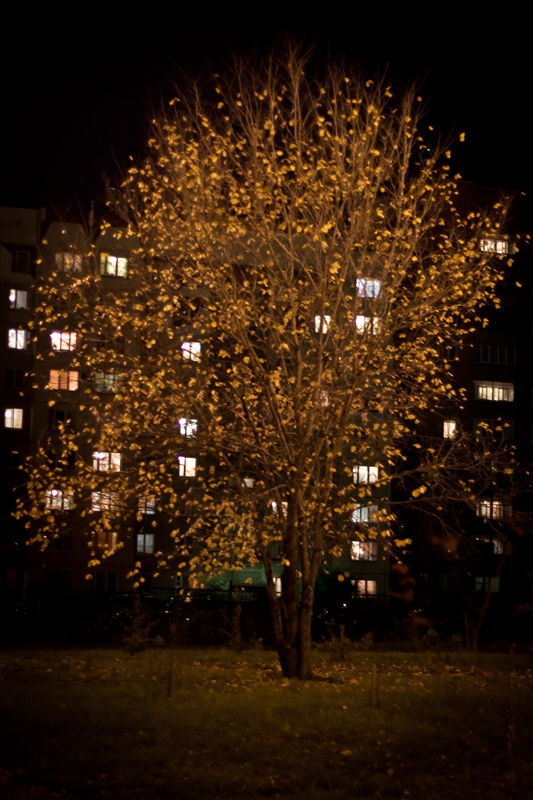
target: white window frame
<point>145,543</point>
<point>365,513</point>
<point>105,461</point>
<point>363,473</point>
<point>284,508</point>
<point>323,398</point>
<point>64,380</point>
<point>188,427</point>
<point>68,262</point>
<point>103,501</point>
<point>147,504</point>
<point>496,391</point>
<point>18,299</point>
<point>105,382</point>
<point>368,287</point>
<point>483,583</point>
<point>191,351</point>
<point>64,340</point>
<point>17,338</point>
<point>322,323</point>
<point>186,467</point>
<point>494,245</point>
<point>63,501</point>
<point>364,551</point>
<point>364,324</point>
<point>13,418</point>
<point>488,508</point>
<point>449,429</point>
<point>366,588</point>
<point>113,266</point>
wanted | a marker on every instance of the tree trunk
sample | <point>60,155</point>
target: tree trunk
<point>292,631</point>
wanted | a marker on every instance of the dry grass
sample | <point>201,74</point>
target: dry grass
<point>376,725</point>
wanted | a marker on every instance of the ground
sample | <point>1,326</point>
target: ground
<point>219,723</point>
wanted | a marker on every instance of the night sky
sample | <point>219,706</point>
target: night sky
<point>77,96</point>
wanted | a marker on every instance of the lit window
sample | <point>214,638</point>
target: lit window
<point>366,588</point>
<point>493,509</point>
<point>188,427</point>
<point>498,246</point>
<point>248,483</point>
<point>362,474</point>
<point>449,428</point>
<point>484,584</point>
<point>64,379</point>
<point>498,547</point>
<point>18,298</point>
<point>494,390</point>
<point>364,513</point>
<point>103,501</point>
<point>187,466</point>
<point>364,551</point>
<point>191,351</point>
<point>284,507</point>
<point>145,543</point>
<point>323,398</point>
<point>368,288</point>
<point>147,505</point>
<point>113,265</point>
<point>108,381</point>
<point>277,586</point>
<point>58,499</point>
<point>367,325</point>
<point>17,338</point>
<point>322,324</point>
<point>13,418</point>
<point>64,340</point>
<point>68,262</point>
<point>106,462</point>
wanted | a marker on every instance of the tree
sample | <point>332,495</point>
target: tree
<point>297,269</point>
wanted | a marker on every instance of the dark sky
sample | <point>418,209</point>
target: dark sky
<point>77,96</point>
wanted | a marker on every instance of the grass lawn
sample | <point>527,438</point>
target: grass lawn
<point>100,724</point>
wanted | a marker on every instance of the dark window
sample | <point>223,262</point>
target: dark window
<point>62,542</point>
<point>61,416</point>
<point>57,580</point>
<point>496,354</point>
<point>111,581</point>
<point>15,379</point>
<point>12,459</point>
<point>21,261</point>
<point>99,581</point>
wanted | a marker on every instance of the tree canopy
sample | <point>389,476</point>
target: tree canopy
<point>294,274</point>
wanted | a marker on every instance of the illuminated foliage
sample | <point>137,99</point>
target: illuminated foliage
<point>296,268</point>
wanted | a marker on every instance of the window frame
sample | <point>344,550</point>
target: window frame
<point>185,466</point>
<point>120,269</point>
<point>66,341</point>
<point>17,415</point>
<point>365,474</point>
<point>491,387</point>
<point>106,461</point>
<point>363,551</point>
<point>449,428</point>
<point>60,261</point>
<point>191,351</point>
<point>364,284</point>
<point>14,299</point>
<point>21,334</point>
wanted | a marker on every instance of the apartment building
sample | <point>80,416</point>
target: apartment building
<point>495,367</point>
